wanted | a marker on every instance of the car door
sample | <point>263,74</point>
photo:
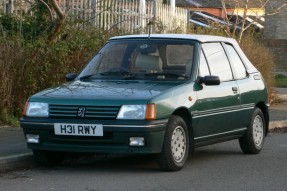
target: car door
<point>246,84</point>
<point>217,107</point>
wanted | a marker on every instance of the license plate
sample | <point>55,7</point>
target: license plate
<point>78,129</point>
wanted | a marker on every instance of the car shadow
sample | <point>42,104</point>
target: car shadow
<point>143,163</point>
<point>111,163</point>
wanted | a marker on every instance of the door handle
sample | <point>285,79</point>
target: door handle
<point>234,89</point>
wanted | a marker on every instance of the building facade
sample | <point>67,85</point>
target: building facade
<point>275,33</point>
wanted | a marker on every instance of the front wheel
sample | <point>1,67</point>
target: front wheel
<point>175,146</point>
<point>253,139</point>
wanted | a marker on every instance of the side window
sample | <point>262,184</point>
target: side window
<point>203,67</point>
<point>217,61</point>
<point>239,67</point>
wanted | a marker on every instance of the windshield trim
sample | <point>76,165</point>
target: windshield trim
<point>161,41</point>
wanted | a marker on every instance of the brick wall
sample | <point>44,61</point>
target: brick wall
<point>275,34</point>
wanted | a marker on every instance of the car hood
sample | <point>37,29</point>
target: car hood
<point>107,90</point>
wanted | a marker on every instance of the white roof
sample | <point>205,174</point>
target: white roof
<point>200,38</point>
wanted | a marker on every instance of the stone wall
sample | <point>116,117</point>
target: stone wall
<point>275,33</point>
<point>279,49</point>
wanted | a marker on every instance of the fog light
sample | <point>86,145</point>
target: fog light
<point>31,138</point>
<point>137,141</point>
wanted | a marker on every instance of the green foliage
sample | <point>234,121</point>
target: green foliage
<point>8,119</point>
<point>27,67</point>
<point>28,26</point>
<point>281,81</point>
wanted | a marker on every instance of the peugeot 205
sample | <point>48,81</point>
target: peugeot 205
<point>162,94</point>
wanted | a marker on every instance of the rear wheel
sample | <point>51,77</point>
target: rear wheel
<point>47,158</point>
<point>176,145</point>
<point>253,139</point>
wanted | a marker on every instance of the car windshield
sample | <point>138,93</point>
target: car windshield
<point>142,59</point>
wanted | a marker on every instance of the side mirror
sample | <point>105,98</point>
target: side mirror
<point>209,80</point>
<point>71,76</point>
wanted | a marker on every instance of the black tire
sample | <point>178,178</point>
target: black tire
<point>174,152</point>
<point>253,139</point>
<point>47,158</point>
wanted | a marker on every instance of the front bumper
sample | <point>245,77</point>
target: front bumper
<point>115,139</point>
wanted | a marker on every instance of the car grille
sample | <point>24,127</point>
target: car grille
<point>91,112</point>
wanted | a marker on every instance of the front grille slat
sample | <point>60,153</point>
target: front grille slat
<point>62,107</point>
<point>102,112</point>
<point>98,116</point>
<point>103,109</point>
<point>62,111</point>
<point>92,112</point>
<point>62,115</point>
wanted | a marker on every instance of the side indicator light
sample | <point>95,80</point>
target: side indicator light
<point>150,112</point>
<point>190,98</point>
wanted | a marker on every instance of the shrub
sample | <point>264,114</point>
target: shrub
<point>262,58</point>
<point>27,67</point>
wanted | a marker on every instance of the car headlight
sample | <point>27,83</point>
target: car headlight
<point>37,109</point>
<point>137,112</point>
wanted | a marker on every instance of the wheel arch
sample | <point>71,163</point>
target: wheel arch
<point>265,110</point>
<point>185,114</point>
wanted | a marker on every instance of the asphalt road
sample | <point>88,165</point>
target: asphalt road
<point>218,167</point>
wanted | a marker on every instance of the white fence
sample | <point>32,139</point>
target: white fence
<point>127,15</point>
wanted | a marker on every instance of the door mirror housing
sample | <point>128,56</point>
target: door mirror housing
<point>71,76</point>
<point>209,80</point>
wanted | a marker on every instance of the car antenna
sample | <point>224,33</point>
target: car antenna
<point>150,23</point>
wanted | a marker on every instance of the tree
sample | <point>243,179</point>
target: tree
<point>246,6</point>
<point>59,22</point>
<point>49,7</point>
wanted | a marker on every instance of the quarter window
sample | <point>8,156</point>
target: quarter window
<point>203,67</point>
<point>217,61</point>
<point>239,68</point>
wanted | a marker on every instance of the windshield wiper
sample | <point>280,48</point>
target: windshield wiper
<point>125,75</point>
<point>114,73</point>
<point>168,75</point>
<point>129,77</point>
<point>86,76</point>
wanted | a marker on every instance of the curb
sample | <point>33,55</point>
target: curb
<point>16,161</point>
<point>277,124</point>
<point>282,97</point>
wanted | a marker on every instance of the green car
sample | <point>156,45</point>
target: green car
<point>162,94</point>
